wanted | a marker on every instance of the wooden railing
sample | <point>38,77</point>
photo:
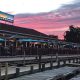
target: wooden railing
<point>37,51</point>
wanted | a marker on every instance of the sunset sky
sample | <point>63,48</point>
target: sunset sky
<point>47,16</point>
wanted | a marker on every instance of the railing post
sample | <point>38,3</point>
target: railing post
<point>58,63</point>
<point>79,60</point>
<point>24,57</point>
<point>69,61</point>
<point>56,57</point>
<point>31,69</point>
<point>51,63</point>
<point>17,71</point>
<point>64,62</point>
<point>43,67</point>
<point>0,71</point>
<point>39,62</point>
<point>6,71</point>
<point>73,60</point>
<point>76,60</point>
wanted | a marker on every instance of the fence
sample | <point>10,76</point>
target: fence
<point>37,51</point>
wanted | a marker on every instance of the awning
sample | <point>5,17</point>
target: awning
<point>42,41</point>
<point>2,39</point>
<point>28,40</point>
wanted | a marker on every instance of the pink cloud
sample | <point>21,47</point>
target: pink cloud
<point>55,23</point>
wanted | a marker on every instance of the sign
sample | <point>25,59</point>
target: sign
<point>6,17</point>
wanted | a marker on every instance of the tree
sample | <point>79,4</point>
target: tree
<point>73,34</point>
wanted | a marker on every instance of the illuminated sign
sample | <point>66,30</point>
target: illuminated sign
<point>6,17</point>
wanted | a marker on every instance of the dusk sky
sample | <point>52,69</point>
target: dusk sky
<point>47,16</point>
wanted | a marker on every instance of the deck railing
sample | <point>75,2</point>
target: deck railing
<point>37,51</point>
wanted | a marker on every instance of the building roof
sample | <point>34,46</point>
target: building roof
<point>17,29</point>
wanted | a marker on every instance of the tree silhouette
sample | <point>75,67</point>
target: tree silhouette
<point>73,34</point>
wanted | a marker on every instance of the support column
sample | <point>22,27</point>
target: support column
<point>5,43</point>
<point>28,44</point>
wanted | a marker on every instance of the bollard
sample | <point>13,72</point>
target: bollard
<point>17,71</point>
<point>0,71</point>
<point>51,65</point>
<point>31,69</point>
<point>6,71</point>
<point>43,67</point>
